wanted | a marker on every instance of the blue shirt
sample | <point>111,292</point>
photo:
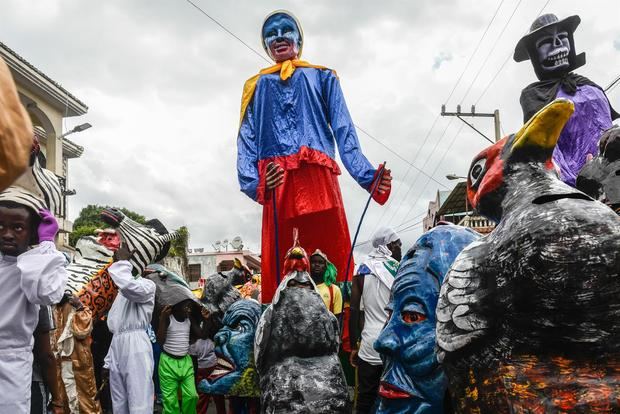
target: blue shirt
<point>306,110</point>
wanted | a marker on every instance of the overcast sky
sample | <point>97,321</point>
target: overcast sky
<point>163,86</point>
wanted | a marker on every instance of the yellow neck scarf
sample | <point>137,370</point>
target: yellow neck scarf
<point>286,69</point>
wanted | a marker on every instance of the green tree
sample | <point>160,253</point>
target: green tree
<point>90,220</point>
<point>178,247</point>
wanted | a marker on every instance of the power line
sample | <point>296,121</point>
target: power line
<point>471,56</point>
<point>399,156</point>
<point>410,228</point>
<point>417,176</point>
<point>486,88</point>
<point>265,59</point>
<point>613,84</point>
<point>491,51</point>
<point>433,173</point>
<point>260,55</point>
<point>400,187</point>
<point>499,71</point>
<point>474,52</point>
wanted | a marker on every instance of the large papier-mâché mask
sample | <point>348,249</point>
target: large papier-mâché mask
<point>282,37</point>
<point>412,379</point>
<point>235,372</point>
<point>553,48</point>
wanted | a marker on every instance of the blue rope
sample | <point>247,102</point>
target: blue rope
<point>359,225</point>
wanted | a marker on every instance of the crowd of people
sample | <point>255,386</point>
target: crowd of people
<point>46,332</point>
<point>130,336</point>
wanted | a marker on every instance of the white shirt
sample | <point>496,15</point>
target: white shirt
<point>177,337</point>
<point>133,307</point>
<point>36,277</point>
<point>375,298</point>
<point>204,350</point>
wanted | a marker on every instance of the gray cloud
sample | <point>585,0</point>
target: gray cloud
<point>163,84</point>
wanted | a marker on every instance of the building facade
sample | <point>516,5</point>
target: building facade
<point>452,206</point>
<point>48,103</point>
<point>203,264</point>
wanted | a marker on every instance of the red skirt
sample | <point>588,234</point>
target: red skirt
<point>309,200</point>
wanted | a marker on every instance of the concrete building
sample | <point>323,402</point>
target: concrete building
<point>48,103</point>
<point>432,218</point>
<point>203,264</point>
<point>452,206</point>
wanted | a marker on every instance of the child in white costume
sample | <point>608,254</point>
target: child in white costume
<point>130,358</point>
<point>28,278</point>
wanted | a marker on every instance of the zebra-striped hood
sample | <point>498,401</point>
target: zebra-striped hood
<point>37,188</point>
<point>150,241</point>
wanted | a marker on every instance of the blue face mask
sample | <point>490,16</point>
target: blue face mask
<point>281,27</point>
<point>407,342</point>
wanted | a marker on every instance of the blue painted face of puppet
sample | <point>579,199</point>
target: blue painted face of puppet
<point>235,373</point>
<point>281,37</point>
<point>412,380</point>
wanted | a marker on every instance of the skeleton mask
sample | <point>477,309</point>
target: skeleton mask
<point>553,48</point>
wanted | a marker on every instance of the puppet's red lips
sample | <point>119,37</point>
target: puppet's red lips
<point>223,368</point>
<point>281,47</point>
<point>391,392</point>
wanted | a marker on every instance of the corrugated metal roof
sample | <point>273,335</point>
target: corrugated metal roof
<point>455,202</point>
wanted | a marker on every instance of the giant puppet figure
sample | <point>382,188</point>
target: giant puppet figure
<point>550,47</point>
<point>293,115</point>
<point>527,318</point>
<point>412,380</point>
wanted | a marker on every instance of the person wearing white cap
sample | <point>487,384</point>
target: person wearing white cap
<point>370,294</point>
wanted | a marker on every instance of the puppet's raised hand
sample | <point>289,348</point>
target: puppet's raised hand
<point>275,176</point>
<point>48,227</point>
<point>384,188</point>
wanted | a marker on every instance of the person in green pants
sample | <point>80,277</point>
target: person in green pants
<point>176,371</point>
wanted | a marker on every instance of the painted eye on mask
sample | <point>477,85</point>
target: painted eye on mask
<point>412,317</point>
<point>475,173</point>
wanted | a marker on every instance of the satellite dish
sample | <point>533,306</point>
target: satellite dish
<point>225,244</point>
<point>217,246</point>
<point>237,243</point>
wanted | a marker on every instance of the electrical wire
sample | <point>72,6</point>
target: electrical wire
<point>488,85</point>
<point>424,165</point>
<point>491,51</point>
<point>260,55</point>
<point>446,101</point>
<point>265,59</point>
<point>474,52</point>
<point>433,173</point>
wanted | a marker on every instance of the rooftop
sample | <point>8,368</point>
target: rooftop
<point>455,203</point>
<point>27,74</point>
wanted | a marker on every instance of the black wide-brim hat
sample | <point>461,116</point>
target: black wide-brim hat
<point>542,22</point>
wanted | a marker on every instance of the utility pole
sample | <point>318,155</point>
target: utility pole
<point>474,114</point>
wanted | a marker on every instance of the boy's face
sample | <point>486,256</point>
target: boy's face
<point>317,268</point>
<point>15,230</point>
<point>182,309</point>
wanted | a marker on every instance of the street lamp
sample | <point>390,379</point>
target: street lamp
<point>78,128</point>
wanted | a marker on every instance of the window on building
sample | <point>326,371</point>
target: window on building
<point>194,272</point>
<point>225,265</point>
